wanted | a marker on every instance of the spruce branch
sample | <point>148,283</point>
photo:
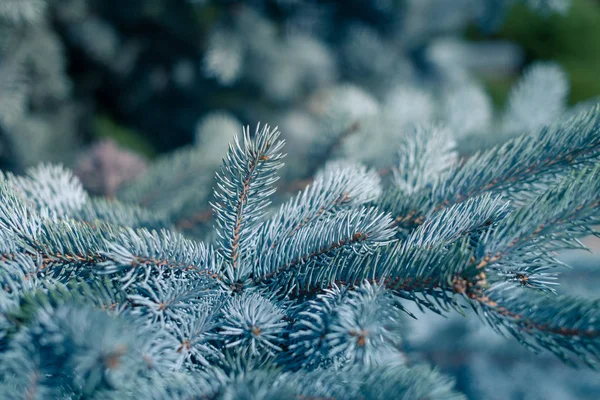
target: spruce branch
<point>309,347</point>
<point>564,325</point>
<point>551,151</point>
<point>18,275</point>
<point>470,217</point>
<point>254,323</point>
<point>348,324</point>
<point>520,248</point>
<point>391,379</point>
<point>68,247</point>
<point>50,187</point>
<point>317,245</point>
<point>243,189</point>
<point>17,220</point>
<point>114,212</point>
<point>167,297</point>
<point>54,190</point>
<point>141,252</point>
<point>194,333</point>
<point>103,351</point>
<point>519,169</point>
<point>554,220</point>
<point>337,187</point>
<point>312,290</point>
<point>538,98</point>
<point>424,155</point>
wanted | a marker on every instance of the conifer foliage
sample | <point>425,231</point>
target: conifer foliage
<point>103,299</point>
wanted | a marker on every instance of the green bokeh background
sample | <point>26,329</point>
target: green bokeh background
<point>572,40</point>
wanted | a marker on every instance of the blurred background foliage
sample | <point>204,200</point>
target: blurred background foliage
<point>572,40</point>
<point>106,127</point>
<point>136,71</point>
